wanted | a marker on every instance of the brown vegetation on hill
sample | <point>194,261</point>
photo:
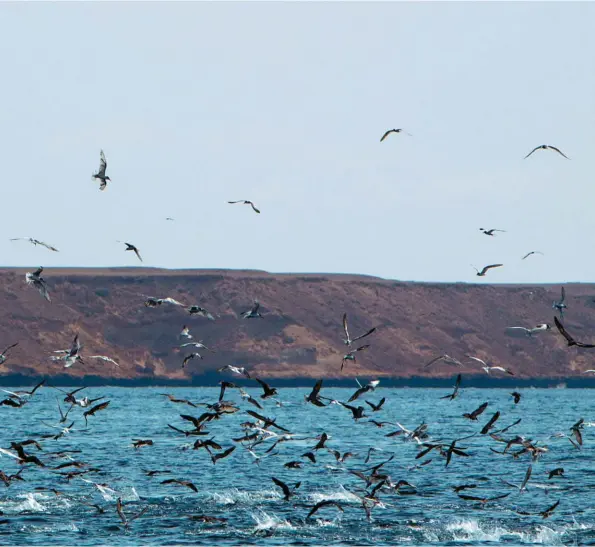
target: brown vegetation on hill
<point>300,334</point>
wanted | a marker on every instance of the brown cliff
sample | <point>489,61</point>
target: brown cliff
<point>300,334</point>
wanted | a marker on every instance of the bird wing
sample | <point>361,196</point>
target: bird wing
<point>534,149</point>
<point>478,360</point>
<point>559,151</point>
<point>120,512</point>
<point>345,329</point>
<point>387,134</point>
<point>493,419</point>
<point>283,486</point>
<point>486,268</point>
<point>254,207</point>
<point>170,300</point>
<point>526,479</point>
<point>563,332</point>
<point>238,201</point>
<point>47,246</point>
<point>102,164</point>
<point>137,253</point>
<point>316,390</point>
<point>364,335</point>
<point>366,346</point>
<point>479,410</point>
<point>434,360</point>
<point>9,347</point>
<point>563,292</point>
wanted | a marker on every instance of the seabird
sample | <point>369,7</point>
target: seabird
<point>532,253</point>
<point>400,130</point>
<point>4,354</point>
<point>453,395</point>
<point>268,390</point>
<point>187,484</point>
<point>190,357</point>
<point>198,345</point>
<point>240,371</point>
<point>363,389</point>
<point>103,358</point>
<point>558,472</point>
<point>376,407</point>
<point>174,400</point>
<point>528,332</point>
<point>485,269</point>
<point>487,367</point>
<point>96,408</point>
<point>483,501</point>
<point>287,493</point>
<point>253,312</point>
<point>185,333</point>
<point>35,279</point>
<point>153,302</point>
<point>324,503</point>
<point>348,340</point>
<point>358,412</point>
<point>490,424</point>
<point>220,456</point>
<point>447,359</point>
<point>139,443</point>
<point>523,484</point>
<point>516,397</point>
<point>491,231</point>
<point>100,175</point>
<point>546,147</point>
<point>35,242</point>
<point>197,310</point>
<point>571,341</point>
<point>126,521</point>
<point>313,397</point>
<point>350,356</point>
<point>131,247</point>
<point>560,305</point>
<point>473,415</point>
<point>246,202</point>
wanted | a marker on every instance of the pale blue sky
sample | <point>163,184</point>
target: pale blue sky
<point>284,104</point>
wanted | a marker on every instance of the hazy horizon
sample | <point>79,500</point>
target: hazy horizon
<point>284,104</point>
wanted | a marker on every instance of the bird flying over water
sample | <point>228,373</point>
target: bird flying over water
<point>350,356</point>
<point>456,389</point>
<point>485,269</point>
<point>34,279</point>
<point>126,521</point>
<point>491,231</point>
<point>246,202</point>
<point>103,358</point>
<point>100,175</point>
<point>487,367</point>
<point>35,242</point>
<point>131,247</point>
<point>241,371</point>
<point>190,357</point>
<point>447,359</point>
<point>348,340</point>
<point>546,147</point>
<point>400,130</point>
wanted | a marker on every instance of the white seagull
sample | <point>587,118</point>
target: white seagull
<point>103,358</point>
<point>34,279</point>
<point>528,332</point>
<point>100,175</point>
<point>240,371</point>
<point>35,242</point>
<point>487,367</point>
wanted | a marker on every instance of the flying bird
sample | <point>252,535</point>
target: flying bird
<point>187,484</point>
<point>185,333</point>
<point>253,312</point>
<point>240,371</point>
<point>454,394</point>
<point>103,358</point>
<point>100,175</point>
<point>287,493</point>
<point>488,368</point>
<point>561,304</point>
<point>246,202</point>
<point>516,396</point>
<point>35,242</point>
<point>190,357</point>
<point>473,415</point>
<point>571,341</point>
<point>4,354</point>
<point>491,231</point>
<point>152,302</point>
<point>528,332</point>
<point>197,310</point>
<point>130,247</point>
<point>350,356</point>
<point>485,269</point>
<point>363,389</point>
<point>394,131</point>
<point>126,521</point>
<point>532,253</point>
<point>34,279</point>
<point>348,340</point>
<point>447,359</point>
<point>546,147</point>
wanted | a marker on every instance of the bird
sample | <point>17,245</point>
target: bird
<point>197,310</point>
<point>187,484</point>
<point>485,269</point>
<point>348,340</point>
<point>246,202</point>
<point>96,408</point>
<point>173,399</point>
<point>126,521</point>
<point>268,390</point>
<point>34,279</point>
<point>4,354</point>
<point>363,389</point>
<point>490,423</point>
<point>491,231</point>
<point>376,407</point>
<point>558,472</point>
<point>546,147</point>
<point>532,253</point>
<point>313,397</point>
<point>103,358</point>
<point>152,302</point>
<point>198,345</point>
<point>447,359</point>
<point>473,415</point>
<point>561,304</point>
<point>454,394</point>
<point>324,503</point>
<point>516,397</point>
<point>240,371</point>
<point>487,367</point>
<point>100,175</point>
<point>571,341</point>
<point>394,131</point>
<point>523,484</point>
<point>138,443</point>
<point>253,312</point>
<point>131,247</point>
<point>35,242</point>
<point>528,332</point>
<point>350,356</point>
<point>185,333</point>
<point>193,355</point>
<point>287,493</point>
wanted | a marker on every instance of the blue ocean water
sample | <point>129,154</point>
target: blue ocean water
<point>241,491</point>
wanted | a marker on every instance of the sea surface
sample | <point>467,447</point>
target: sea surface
<point>241,491</point>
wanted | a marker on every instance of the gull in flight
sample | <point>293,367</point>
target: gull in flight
<point>350,356</point>
<point>35,279</point>
<point>529,332</point>
<point>246,202</point>
<point>152,302</point>
<point>71,356</point>
<point>253,312</point>
<point>185,334</point>
<point>35,242</point>
<point>131,247</point>
<point>532,253</point>
<point>546,147</point>
<point>491,231</point>
<point>240,371</point>
<point>561,305</point>
<point>348,340</point>
<point>487,367</point>
<point>485,269</point>
<point>447,359</point>
<point>198,345</point>
<point>103,358</point>
<point>394,131</point>
<point>100,175</point>
<point>190,357</point>
<point>192,310</point>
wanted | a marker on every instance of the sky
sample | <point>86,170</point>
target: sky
<point>284,104</point>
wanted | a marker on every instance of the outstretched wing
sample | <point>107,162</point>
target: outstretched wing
<point>559,151</point>
<point>386,134</point>
<point>486,268</point>
<point>563,291</point>
<point>9,347</point>
<point>254,207</point>
<point>364,335</point>
<point>534,149</point>
<point>478,360</point>
<point>563,332</point>
<point>46,246</point>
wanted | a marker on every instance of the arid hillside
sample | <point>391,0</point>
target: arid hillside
<point>300,333</point>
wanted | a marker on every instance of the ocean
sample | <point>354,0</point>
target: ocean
<point>251,507</point>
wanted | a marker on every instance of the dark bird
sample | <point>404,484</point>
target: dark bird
<point>462,487</point>
<point>482,500</point>
<point>310,456</point>
<point>485,269</point>
<point>224,454</point>
<point>268,390</point>
<point>549,511</point>
<point>558,472</point>
<point>491,231</point>
<point>287,493</point>
<point>371,386</point>
<point>293,465</point>
<point>516,397</point>
<point>532,253</point>
<point>96,408</point>
<point>131,247</point>
<point>561,304</point>
<point>324,503</point>
<point>523,484</point>
<point>253,312</point>
<point>174,400</point>
<point>340,458</point>
<point>350,356</point>
<point>400,130</point>
<point>152,473</point>
<point>187,484</point>
<point>489,425</point>
<point>193,355</point>
<point>321,441</point>
<point>313,397</point>
<point>268,422</point>
<point>374,407</point>
<point>478,411</point>
<point>126,521</point>
<point>246,202</point>
<point>348,340</point>
<point>100,175</point>
<point>576,431</point>
<point>571,341</point>
<point>546,147</point>
<point>454,394</point>
<point>358,412</point>
<point>138,443</point>
<point>34,279</point>
<point>224,385</point>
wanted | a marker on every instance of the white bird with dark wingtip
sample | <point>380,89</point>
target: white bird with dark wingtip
<point>546,147</point>
<point>246,202</point>
<point>400,130</point>
<point>100,175</point>
<point>35,279</point>
<point>240,371</point>
<point>197,310</point>
<point>131,247</point>
<point>348,340</point>
<point>253,312</point>
<point>491,231</point>
<point>485,269</point>
<point>35,242</point>
<point>152,302</point>
<point>447,359</point>
<point>527,332</point>
<point>103,358</point>
<point>488,368</point>
<point>198,345</point>
<point>190,357</point>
